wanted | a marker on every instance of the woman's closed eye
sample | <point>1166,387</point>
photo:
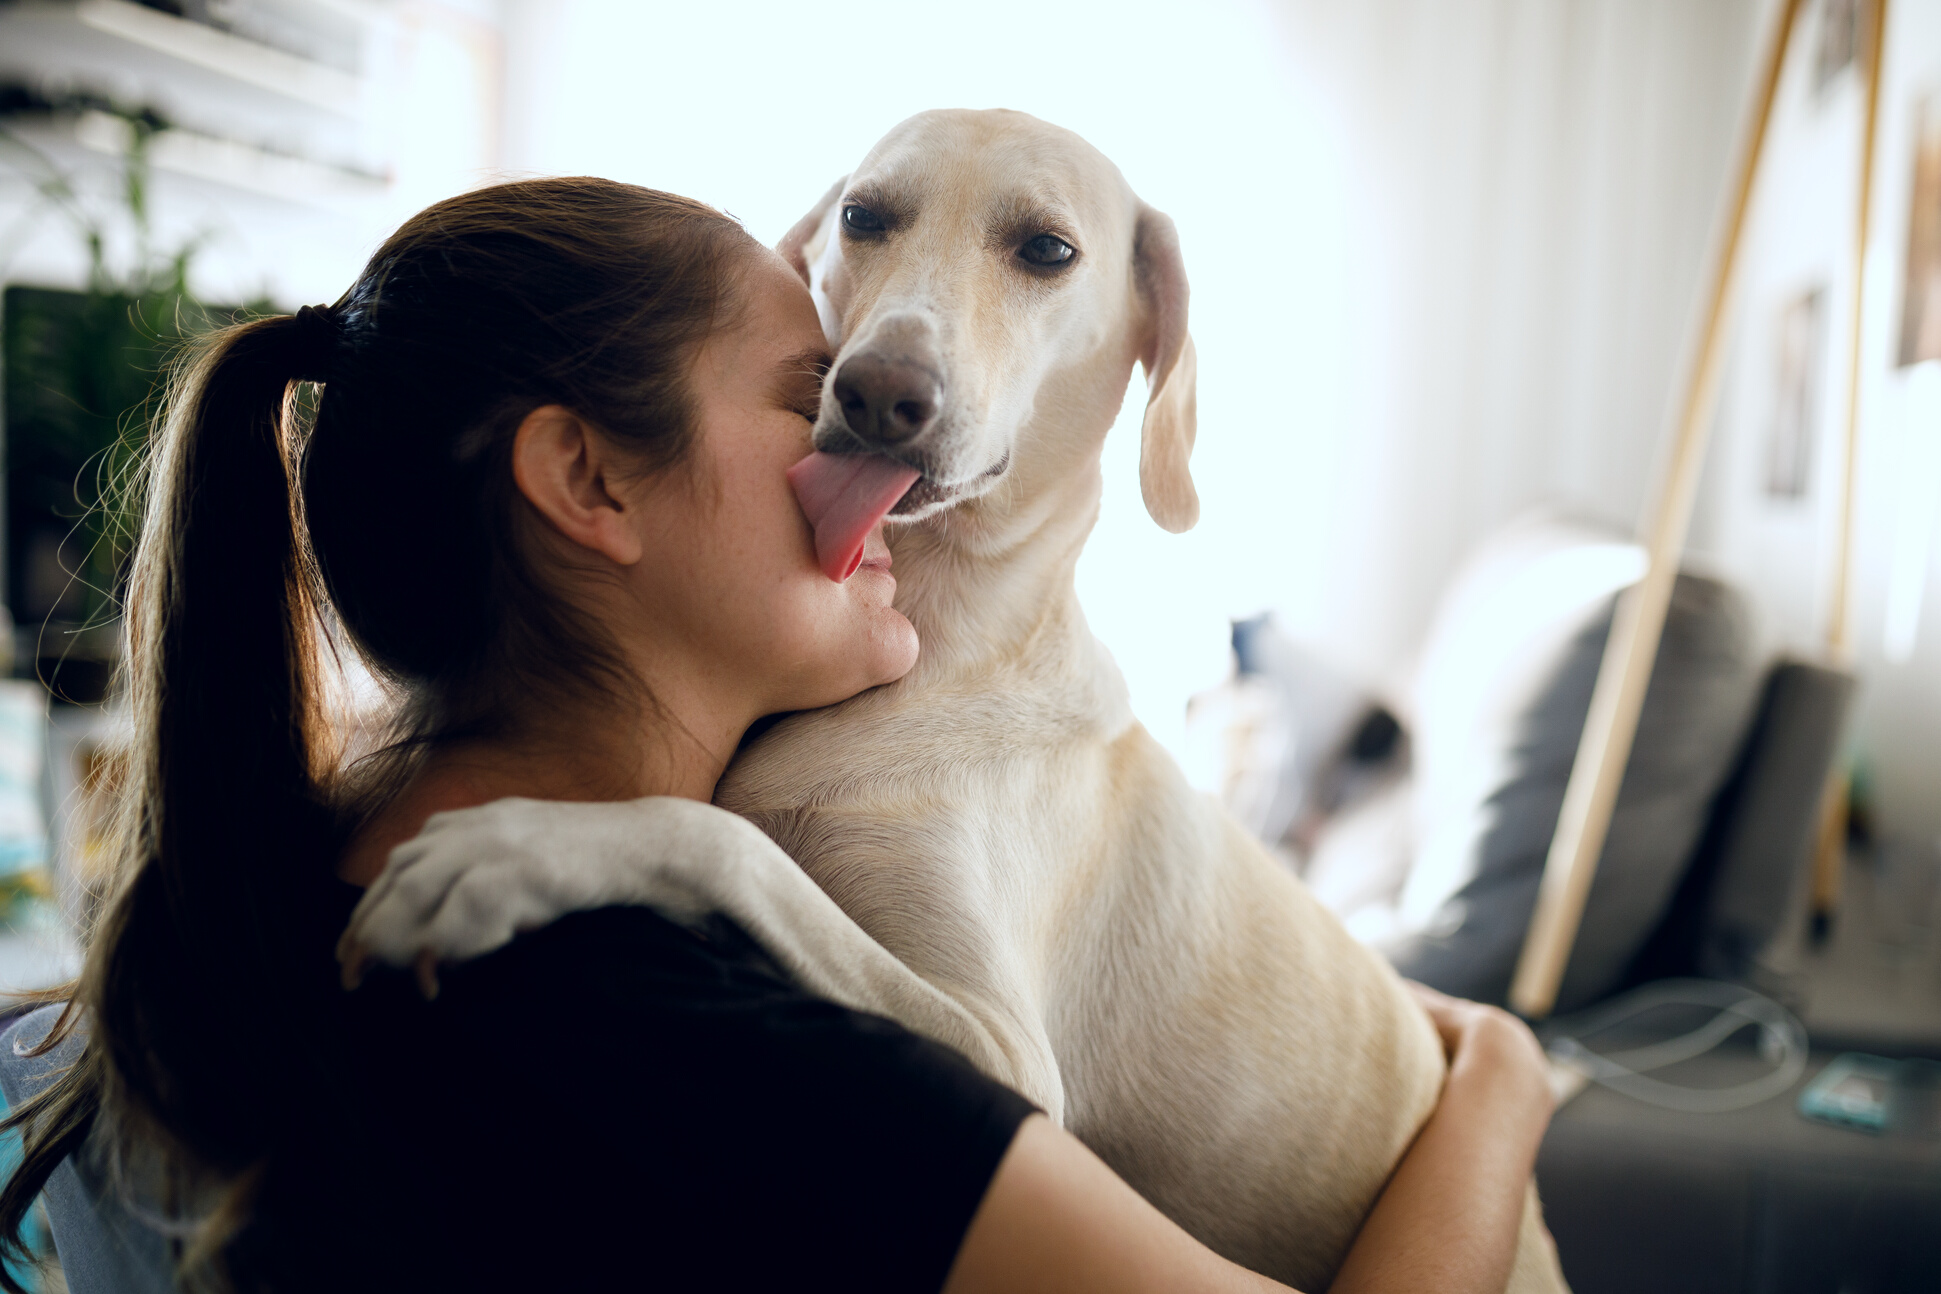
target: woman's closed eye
<point>798,383</point>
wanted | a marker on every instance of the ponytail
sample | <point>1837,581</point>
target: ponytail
<point>210,992</point>
<point>194,988</point>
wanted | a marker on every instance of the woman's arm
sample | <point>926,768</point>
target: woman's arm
<point>1057,1219</point>
<point>1448,1219</point>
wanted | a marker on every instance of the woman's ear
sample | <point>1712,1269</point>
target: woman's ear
<point>562,467</point>
<point>1172,375</point>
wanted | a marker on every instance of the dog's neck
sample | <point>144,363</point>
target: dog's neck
<point>976,605</point>
<point>992,581</point>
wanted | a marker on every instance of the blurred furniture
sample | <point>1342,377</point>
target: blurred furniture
<point>103,1247</point>
<point>1704,874</point>
<point>1762,1200</point>
<point>1287,737</point>
<point>1496,709</point>
<point>37,946</point>
<point>33,1232</point>
<point>1439,868</point>
<point>1503,695</point>
<point>1756,1201</point>
<point>1744,880</point>
<point>1874,982</point>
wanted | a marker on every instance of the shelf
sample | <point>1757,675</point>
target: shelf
<point>224,161</point>
<point>242,113</point>
<point>195,76</point>
<point>232,56</point>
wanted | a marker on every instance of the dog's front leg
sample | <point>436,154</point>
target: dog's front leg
<point>474,878</point>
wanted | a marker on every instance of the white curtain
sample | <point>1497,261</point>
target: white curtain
<point>1443,252</point>
<point>1534,186</point>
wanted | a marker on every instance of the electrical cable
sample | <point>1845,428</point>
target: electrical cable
<point>1782,1043</point>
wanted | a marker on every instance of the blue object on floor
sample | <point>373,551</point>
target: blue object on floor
<point>1853,1091</point>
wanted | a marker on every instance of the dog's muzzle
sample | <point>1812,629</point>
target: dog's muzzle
<point>886,399</point>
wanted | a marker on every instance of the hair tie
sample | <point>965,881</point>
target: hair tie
<point>320,335</point>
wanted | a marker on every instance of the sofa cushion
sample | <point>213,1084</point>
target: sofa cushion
<point>1500,697</point>
<point>1748,876</point>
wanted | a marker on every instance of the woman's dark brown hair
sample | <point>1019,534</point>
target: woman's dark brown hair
<point>392,520</point>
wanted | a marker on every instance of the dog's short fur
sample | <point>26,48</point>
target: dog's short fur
<point>1104,939</point>
<point>998,820</point>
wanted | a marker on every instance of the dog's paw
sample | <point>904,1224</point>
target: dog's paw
<point>474,879</point>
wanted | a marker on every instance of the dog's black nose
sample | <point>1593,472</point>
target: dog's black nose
<point>886,401</point>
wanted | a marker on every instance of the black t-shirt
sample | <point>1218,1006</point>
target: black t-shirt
<point>616,1102</point>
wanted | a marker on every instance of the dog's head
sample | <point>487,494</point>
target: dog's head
<point>976,268</point>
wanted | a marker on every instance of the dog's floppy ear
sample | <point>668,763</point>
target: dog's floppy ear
<point>802,244</point>
<point>1172,375</point>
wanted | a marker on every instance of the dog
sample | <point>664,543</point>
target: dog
<point>1077,919</point>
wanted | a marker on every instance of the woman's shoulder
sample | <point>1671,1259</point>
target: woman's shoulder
<point>589,970</point>
<point>624,987</point>
<point>650,1070</point>
<point>633,952</point>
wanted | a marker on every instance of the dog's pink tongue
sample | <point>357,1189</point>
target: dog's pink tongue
<point>845,496</point>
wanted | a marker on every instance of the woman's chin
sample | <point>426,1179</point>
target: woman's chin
<point>893,646</point>
<point>882,649</point>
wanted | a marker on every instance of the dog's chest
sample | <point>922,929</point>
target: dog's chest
<point>946,825</point>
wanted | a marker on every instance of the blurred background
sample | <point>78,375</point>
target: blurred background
<point>1446,258</point>
<point>1448,262</point>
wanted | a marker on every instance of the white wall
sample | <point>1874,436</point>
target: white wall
<point>1534,198</point>
<point>1783,550</point>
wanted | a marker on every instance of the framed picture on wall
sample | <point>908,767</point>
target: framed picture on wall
<point>1801,345</point>
<point>1841,33</point>
<point>1921,294</point>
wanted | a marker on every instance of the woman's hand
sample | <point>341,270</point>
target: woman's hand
<point>1449,1217</point>
<point>1056,1219</point>
<point>1488,1044</point>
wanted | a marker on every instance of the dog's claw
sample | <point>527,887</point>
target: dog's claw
<point>428,974</point>
<point>354,959</point>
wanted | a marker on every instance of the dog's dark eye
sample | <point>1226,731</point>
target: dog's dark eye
<point>861,220</point>
<point>1047,249</point>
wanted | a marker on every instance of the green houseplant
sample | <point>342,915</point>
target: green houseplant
<point>81,372</point>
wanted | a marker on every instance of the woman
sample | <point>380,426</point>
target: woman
<point>543,495</point>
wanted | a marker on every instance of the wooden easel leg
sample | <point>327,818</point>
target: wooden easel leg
<point>1830,852</point>
<point>1639,620</point>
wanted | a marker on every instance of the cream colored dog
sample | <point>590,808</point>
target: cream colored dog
<point>1052,896</point>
